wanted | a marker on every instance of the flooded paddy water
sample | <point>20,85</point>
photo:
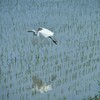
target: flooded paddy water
<point>71,68</point>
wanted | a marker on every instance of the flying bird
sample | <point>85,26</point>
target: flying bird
<point>44,32</point>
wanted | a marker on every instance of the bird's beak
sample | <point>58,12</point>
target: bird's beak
<point>29,31</point>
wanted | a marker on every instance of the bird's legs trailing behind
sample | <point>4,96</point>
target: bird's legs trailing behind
<point>53,40</point>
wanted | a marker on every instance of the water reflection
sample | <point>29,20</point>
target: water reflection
<point>39,86</point>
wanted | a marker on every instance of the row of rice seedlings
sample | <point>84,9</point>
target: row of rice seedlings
<point>87,64</point>
<point>5,87</point>
<point>85,56</point>
<point>56,63</point>
<point>0,75</point>
<point>83,73</point>
<point>84,88</point>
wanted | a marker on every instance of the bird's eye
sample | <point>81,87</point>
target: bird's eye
<point>39,29</point>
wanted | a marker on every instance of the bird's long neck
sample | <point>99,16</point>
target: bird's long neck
<point>37,33</point>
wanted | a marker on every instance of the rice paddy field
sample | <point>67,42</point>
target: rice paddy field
<point>72,67</point>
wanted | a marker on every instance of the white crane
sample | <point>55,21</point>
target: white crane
<point>45,33</point>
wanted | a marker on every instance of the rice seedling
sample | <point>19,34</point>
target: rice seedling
<point>74,59</point>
